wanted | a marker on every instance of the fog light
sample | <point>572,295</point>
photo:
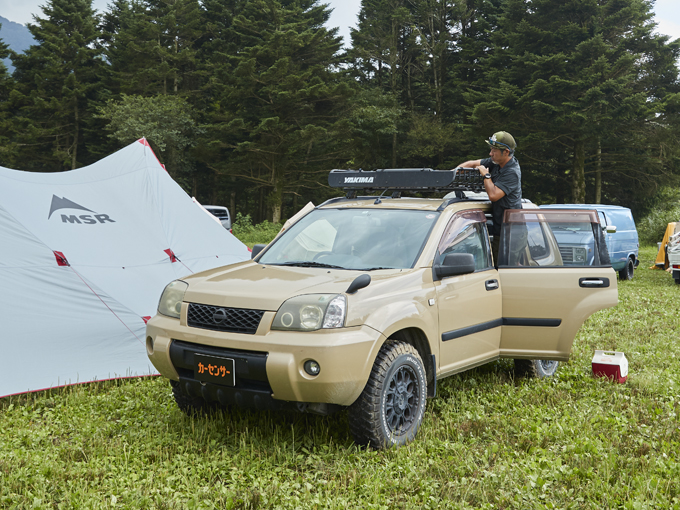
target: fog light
<point>312,367</point>
<point>149,345</point>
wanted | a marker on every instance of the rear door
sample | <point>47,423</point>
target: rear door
<point>544,301</point>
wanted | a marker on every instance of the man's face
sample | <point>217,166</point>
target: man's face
<point>497,155</point>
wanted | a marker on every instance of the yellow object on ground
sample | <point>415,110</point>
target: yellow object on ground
<point>661,261</point>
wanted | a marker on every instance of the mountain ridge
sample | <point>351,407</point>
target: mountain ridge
<point>16,36</point>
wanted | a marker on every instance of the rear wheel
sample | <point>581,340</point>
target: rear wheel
<point>390,409</point>
<point>627,272</point>
<point>539,368</point>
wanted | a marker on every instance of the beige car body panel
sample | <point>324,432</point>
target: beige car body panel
<point>395,300</point>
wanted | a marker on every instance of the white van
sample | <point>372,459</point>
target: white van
<point>221,213</point>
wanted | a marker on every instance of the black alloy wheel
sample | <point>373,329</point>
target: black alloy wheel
<point>391,408</point>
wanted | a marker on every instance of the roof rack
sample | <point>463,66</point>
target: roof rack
<point>407,179</point>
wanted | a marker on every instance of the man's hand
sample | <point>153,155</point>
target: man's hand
<point>482,170</point>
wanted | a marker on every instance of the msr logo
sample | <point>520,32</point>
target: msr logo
<point>88,219</point>
<point>358,180</point>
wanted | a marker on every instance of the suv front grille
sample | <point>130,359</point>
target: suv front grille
<point>234,320</point>
<point>567,254</point>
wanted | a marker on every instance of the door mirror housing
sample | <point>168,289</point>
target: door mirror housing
<point>610,229</point>
<point>455,264</point>
<point>256,250</point>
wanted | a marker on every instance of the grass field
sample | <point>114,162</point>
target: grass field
<point>488,440</point>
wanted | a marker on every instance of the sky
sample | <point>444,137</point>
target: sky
<point>344,14</point>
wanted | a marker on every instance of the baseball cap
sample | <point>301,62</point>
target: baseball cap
<point>502,140</point>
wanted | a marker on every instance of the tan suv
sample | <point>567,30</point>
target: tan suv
<point>365,302</point>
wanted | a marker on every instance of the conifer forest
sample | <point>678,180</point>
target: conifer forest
<point>249,103</point>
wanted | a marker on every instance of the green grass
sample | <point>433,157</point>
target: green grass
<point>488,441</point>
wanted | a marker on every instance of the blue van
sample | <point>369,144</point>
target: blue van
<point>619,232</point>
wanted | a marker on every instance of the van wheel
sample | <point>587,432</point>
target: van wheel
<point>538,368</point>
<point>627,272</point>
<point>188,404</point>
<point>390,409</point>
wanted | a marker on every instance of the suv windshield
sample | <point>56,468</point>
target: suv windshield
<point>360,239</point>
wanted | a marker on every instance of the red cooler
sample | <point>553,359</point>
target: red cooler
<point>610,364</point>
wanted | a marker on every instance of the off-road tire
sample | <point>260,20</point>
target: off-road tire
<point>627,272</point>
<point>391,408</point>
<point>538,368</point>
<point>188,404</point>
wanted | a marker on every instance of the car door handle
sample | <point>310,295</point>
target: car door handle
<point>491,284</point>
<point>593,282</point>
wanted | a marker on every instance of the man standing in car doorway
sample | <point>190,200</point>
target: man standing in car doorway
<point>502,181</point>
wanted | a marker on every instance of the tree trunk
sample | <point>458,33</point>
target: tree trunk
<point>578,185</point>
<point>394,149</point>
<point>74,155</point>
<point>598,174</point>
<point>232,198</point>
<point>276,200</point>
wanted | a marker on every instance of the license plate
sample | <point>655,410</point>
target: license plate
<point>214,369</point>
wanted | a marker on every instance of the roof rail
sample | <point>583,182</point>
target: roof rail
<point>424,180</point>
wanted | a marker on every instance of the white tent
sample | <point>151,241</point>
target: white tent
<point>84,257</point>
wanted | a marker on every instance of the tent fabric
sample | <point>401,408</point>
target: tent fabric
<point>84,257</point>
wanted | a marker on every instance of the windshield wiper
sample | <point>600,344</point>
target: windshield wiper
<point>375,268</point>
<point>310,264</point>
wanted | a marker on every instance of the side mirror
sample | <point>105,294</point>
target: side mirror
<point>256,250</point>
<point>610,229</point>
<point>455,264</point>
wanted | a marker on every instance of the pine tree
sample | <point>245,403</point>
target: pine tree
<point>6,125</point>
<point>58,81</point>
<point>565,79</point>
<point>274,119</point>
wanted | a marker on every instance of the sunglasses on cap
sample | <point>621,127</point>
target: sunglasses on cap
<point>495,145</point>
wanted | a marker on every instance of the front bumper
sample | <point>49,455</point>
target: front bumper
<point>268,364</point>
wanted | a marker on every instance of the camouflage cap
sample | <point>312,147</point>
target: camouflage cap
<point>502,140</point>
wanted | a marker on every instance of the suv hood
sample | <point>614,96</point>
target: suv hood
<point>255,286</point>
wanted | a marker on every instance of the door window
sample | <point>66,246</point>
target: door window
<point>467,233</point>
<point>552,237</point>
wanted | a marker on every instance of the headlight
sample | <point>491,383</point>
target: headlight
<point>311,312</point>
<point>579,255</point>
<point>171,299</point>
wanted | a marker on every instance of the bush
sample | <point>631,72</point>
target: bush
<point>666,209</point>
<point>262,233</point>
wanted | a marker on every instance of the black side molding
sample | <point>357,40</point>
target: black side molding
<point>470,330</point>
<point>546,323</point>
<point>505,321</point>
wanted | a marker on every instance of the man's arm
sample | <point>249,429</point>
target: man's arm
<point>495,193</point>
<point>471,164</point>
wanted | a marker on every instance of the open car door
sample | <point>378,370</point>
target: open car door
<point>548,296</point>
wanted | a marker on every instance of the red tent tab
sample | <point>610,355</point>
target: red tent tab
<point>146,318</point>
<point>61,259</point>
<point>171,254</point>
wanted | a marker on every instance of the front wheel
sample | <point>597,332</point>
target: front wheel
<point>539,368</point>
<point>390,409</point>
<point>627,272</point>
